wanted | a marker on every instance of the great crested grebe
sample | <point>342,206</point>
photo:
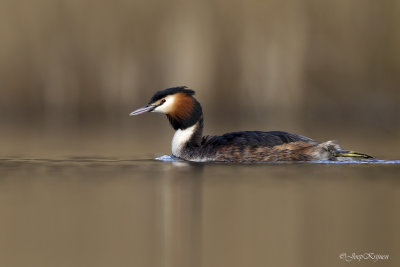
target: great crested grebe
<point>186,117</point>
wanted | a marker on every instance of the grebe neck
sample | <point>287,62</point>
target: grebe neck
<point>189,137</point>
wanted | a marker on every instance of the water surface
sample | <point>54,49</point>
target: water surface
<point>102,211</point>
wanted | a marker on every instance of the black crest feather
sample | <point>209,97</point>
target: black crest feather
<point>170,91</point>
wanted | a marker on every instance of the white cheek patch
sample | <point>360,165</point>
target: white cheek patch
<point>167,106</point>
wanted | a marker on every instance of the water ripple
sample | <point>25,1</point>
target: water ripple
<point>170,158</point>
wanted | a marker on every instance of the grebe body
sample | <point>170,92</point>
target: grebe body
<point>185,115</point>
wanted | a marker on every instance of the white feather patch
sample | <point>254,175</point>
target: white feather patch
<point>167,106</point>
<point>181,137</point>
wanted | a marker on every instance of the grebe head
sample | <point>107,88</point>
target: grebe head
<point>178,103</point>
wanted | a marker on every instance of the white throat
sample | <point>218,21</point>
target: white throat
<point>181,137</point>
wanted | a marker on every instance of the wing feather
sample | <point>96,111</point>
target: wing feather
<point>253,139</point>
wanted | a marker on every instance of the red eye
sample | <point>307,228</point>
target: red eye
<point>163,101</point>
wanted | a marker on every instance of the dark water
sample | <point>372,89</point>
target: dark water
<point>112,212</point>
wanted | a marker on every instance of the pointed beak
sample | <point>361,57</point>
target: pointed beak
<point>142,110</point>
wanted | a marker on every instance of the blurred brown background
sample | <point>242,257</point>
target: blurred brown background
<point>75,69</point>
